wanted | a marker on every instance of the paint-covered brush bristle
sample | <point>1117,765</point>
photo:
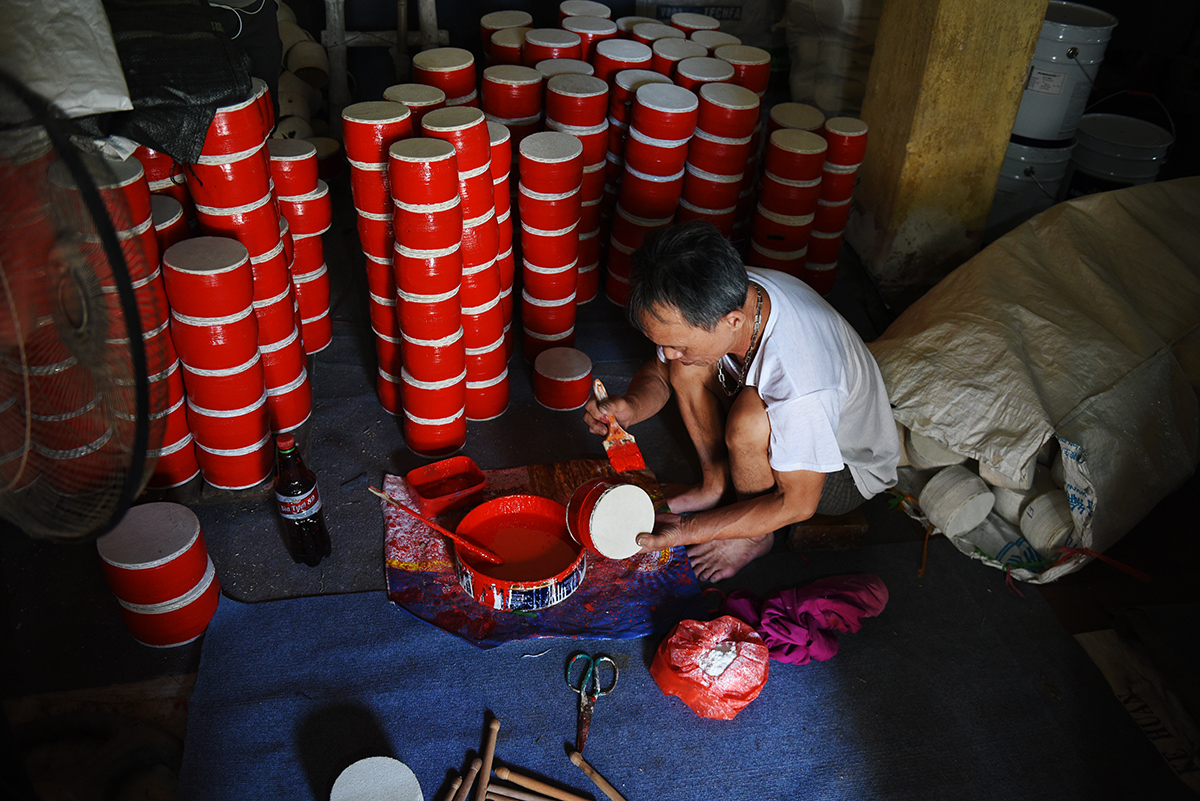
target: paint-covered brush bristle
<point>620,446</point>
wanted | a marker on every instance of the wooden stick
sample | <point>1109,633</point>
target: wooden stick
<point>469,779</point>
<point>489,751</point>
<point>596,778</point>
<point>455,783</point>
<point>531,783</point>
<point>500,791</point>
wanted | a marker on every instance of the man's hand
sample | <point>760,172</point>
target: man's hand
<point>669,530</point>
<point>594,413</point>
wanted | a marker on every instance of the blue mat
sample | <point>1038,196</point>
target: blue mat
<point>959,689</point>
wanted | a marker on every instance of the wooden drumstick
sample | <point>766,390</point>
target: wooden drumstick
<point>531,783</point>
<point>469,779</point>
<point>498,791</point>
<point>455,783</point>
<point>596,778</point>
<point>489,751</point>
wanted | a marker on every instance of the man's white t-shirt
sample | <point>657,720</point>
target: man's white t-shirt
<point>824,394</point>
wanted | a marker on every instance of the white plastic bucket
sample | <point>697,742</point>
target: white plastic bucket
<point>1046,522</point>
<point>1115,151</point>
<point>1069,52</point>
<point>1031,181</point>
<point>956,500</point>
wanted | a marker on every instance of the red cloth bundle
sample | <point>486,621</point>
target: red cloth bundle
<point>715,667</point>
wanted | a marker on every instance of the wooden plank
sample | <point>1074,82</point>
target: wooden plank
<point>943,91</point>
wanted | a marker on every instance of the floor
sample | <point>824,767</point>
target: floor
<point>135,697</point>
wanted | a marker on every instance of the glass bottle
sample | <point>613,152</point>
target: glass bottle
<point>305,534</point>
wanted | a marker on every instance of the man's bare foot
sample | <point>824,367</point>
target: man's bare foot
<point>720,559</point>
<point>684,498</point>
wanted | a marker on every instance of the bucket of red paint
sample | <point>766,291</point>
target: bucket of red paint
<point>237,468</point>
<point>562,378</point>
<point>434,359</point>
<point>446,484</point>
<point>155,554</point>
<point>450,69</point>
<point>606,516</point>
<point>178,621</point>
<point>230,180</point>
<point>434,438</point>
<point>219,343</point>
<point>428,227</point>
<point>542,564</point>
<point>255,225</point>
<point>208,276</point>
<point>370,128</point>
<point>423,171</point>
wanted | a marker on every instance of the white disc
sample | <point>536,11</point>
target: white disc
<point>376,778</point>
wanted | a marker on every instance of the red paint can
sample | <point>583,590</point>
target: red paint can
<point>562,378</point>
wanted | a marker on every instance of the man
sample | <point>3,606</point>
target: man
<point>782,400</point>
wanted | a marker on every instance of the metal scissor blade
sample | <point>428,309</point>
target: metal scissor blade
<point>583,722</point>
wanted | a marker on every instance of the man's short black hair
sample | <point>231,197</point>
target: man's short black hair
<point>690,267</point>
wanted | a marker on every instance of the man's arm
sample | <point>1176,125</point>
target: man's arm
<point>648,392</point>
<point>793,499</point>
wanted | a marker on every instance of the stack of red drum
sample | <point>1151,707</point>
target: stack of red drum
<point>495,21</point>
<point>551,170</point>
<point>170,226</point>
<point>512,96</point>
<point>578,105</point>
<point>501,171</point>
<point>782,224</point>
<point>847,144</point>
<point>620,103</point>
<point>467,131</point>
<point>719,155</point>
<point>210,287</point>
<point>450,69</point>
<point>166,178</point>
<point>418,97</point>
<point>430,388</point>
<point>751,66</point>
<point>157,565</point>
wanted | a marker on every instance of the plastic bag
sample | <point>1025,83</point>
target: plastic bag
<point>715,667</point>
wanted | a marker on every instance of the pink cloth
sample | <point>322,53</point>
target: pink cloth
<point>800,625</point>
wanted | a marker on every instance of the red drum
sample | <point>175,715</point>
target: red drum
<point>727,110</point>
<point>487,398</point>
<point>229,181</point>
<point>549,283</point>
<point>375,234</point>
<point>235,128</point>
<point>606,515</point>
<point>381,278</point>
<point>255,225</point>
<point>427,272</point>
<point>620,258</point>
<point>312,291</point>
<point>308,253</point>
<point>476,188</point>
<point>521,128</point>
<point>551,163</point>
<point>562,378</point>
<point>512,91</point>
<point>549,212</point>
<point>370,128</point>
<point>317,332</point>
<point>714,39</point>
<point>823,248</point>
<point>388,353</point>
<point>433,439</point>
<point>630,229</point>
<point>429,317</point>
<point>710,191</point>
<point>549,248</point>
<point>293,166</point>
<point>587,283</point>
<point>795,155</point>
<point>663,111</point>
<point>178,621</point>
<point>507,44</point>
<point>690,23</point>
<point>433,399</point>
<point>450,69</point>
<point>388,388</point>
<point>283,361</point>
<point>625,25</point>
<point>780,232</point>
<point>576,100</point>
<point>228,389</point>
<point>613,55</point>
<point>482,324</point>
<point>837,183</point>
<point>820,277</point>
<point>795,115</point>
<point>498,21</point>
<point>783,196</point>
<point>417,97</point>
<point>434,359</point>
<point>589,247</point>
<point>276,315</point>
<point>547,316</point>
<point>126,194</point>
<point>590,30</point>
<point>654,156</point>
<point>543,44</point>
<point>466,129</point>
<point>174,464</point>
<point>489,359</point>
<point>847,138</point>
<point>170,225</point>
<point>502,200</point>
<point>650,32</point>
<point>237,468</point>
<point>423,171</point>
<point>719,155</point>
<point>501,151</point>
<point>506,266</point>
<point>428,227</point>
<point>831,216</point>
<point>721,219</point>
<point>533,343</point>
<point>650,196</point>
<point>624,89</point>
<point>582,8</point>
<point>592,186</point>
<point>692,73</point>
<point>311,213</point>
<point>669,52</point>
<point>207,343</point>
<point>593,139</point>
<point>751,66</point>
<point>791,262</point>
<point>208,276</point>
<point>480,240</point>
<point>155,165</point>
<point>382,311</point>
<point>590,213</point>
<point>217,429</point>
<point>368,189</point>
<point>290,405</point>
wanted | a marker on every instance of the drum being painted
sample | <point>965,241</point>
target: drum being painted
<point>1064,68</point>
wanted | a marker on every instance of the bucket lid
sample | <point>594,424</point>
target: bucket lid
<point>1124,137</point>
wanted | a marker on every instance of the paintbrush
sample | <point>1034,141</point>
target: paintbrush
<point>475,548</point>
<point>621,447</point>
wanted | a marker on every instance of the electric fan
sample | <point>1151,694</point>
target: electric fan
<point>75,426</point>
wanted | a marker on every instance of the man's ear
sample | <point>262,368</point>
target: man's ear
<point>735,319</point>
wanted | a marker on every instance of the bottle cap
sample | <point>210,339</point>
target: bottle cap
<point>285,442</point>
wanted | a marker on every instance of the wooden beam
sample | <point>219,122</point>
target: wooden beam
<point>942,94</point>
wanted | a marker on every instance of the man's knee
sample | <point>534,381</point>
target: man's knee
<point>748,427</point>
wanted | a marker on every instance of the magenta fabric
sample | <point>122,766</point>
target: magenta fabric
<point>801,624</point>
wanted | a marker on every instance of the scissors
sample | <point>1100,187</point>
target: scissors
<point>590,688</point>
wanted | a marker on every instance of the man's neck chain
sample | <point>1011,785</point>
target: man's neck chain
<point>750,353</point>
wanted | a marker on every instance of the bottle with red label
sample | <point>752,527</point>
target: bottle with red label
<point>304,529</point>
